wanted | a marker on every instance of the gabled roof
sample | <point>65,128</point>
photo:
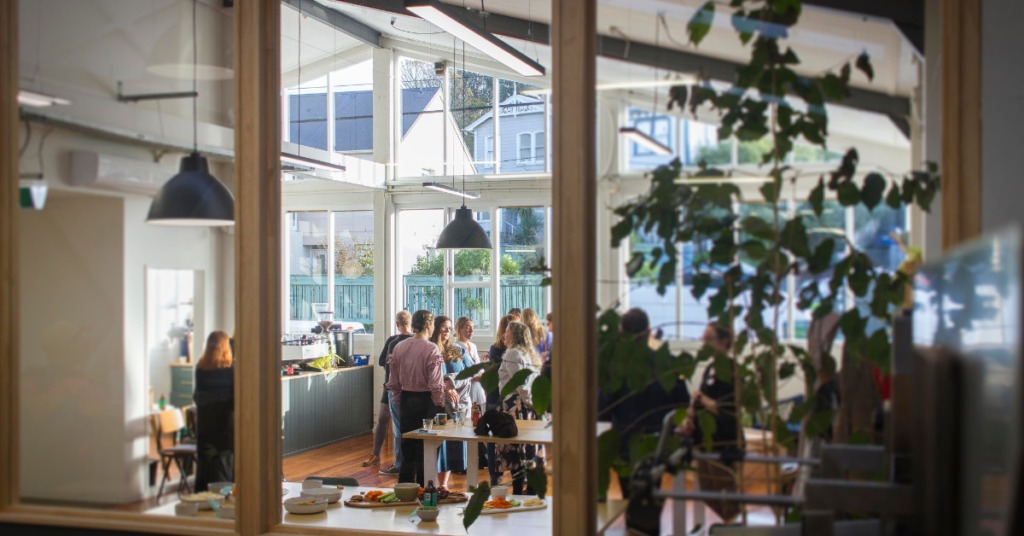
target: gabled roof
<point>354,115</point>
<point>510,103</point>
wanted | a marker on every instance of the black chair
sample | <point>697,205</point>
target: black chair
<point>182,454</point>
<point>340,481</point>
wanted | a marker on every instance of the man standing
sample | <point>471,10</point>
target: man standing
<point>388,410</point>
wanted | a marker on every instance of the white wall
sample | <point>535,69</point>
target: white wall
<point>72,350</point>
<point>1002,109</point>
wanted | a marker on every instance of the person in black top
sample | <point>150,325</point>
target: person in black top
<point>716,397</point>
<point>495,355</point>
<point>641,413</point>
<point>388,412</point>
<point>214,396</point>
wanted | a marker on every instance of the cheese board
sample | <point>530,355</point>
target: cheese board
<point>358,501</point>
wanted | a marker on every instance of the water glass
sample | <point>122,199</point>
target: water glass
<point>428,424</point>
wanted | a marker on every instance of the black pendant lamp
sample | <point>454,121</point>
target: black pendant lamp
<point>463,232</point>
<point>193,197</point>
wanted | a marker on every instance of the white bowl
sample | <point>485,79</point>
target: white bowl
<point>319,505</point>
<point>311,483</point>
<point>499,492</point>
<point>331,494</point>
<point>226,512</point>
<point>216,487</point>
<point>186,509</point>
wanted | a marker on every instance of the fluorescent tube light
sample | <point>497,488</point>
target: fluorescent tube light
<point>643,139</point>
<point>687,80</point>
<point>520,251</point>
<point>735,179</point>
<point>450,190</point>
<point>452,21</point>
<point>39,100</point>
<point>303,161</point>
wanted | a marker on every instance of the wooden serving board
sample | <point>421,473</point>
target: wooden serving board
<point>513,509</point>
<point>376,504</point>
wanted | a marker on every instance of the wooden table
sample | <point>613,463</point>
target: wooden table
<point>530,432</point>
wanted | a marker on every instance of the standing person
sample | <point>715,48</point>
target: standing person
<point>515,313</point>
<point>464,330</point>
<point>417,387</point>
<point>520,355</point>
<point>215,412</point>
<point>452,454</point>
<point>493,399</point>
<point>541,337</point>
<point>639,413</point>
<point>386,415</point>
<point>718,398</point>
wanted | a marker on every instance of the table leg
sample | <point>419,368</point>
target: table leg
<point>430,460</point>
<point>472,464</point>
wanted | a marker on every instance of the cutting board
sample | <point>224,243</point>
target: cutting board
<point>513,510</point>
<point>376,504</point>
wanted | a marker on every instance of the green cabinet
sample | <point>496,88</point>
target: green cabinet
<point>181,385</point>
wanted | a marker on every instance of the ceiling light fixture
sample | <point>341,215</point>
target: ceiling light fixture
<point>735,179</point>
<point>310,162</point>
<point>193,197</point>
<point>686,80</point>
<point>640,138</point>
<point>449,190</point>
<point>453,21</point>
<point>39,100</point>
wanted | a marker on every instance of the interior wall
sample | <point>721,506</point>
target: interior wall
<point>1002,103</point>
<point>72,350</point>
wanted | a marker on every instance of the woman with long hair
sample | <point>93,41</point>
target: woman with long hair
<point>417,385</point>
<point>541,336</point>
<point>452,454</point>
<point>464,329</point>
<point>214,396</point>
<point>520,355</point>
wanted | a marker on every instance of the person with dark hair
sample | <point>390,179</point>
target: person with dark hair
<point>417,386</point>
<point>388,413</point>
<point>496,356</point>
<point>718,398</point>
<point>452,454</point>
<point>214,396</point>
<point>516,313</point>
<point>643,412</point>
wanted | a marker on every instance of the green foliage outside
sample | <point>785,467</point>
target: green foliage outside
<point>468,262</point>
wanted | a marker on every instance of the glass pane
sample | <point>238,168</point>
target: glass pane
<point>831,225</point>
<point>420,264</point>
<point>475,264</point>
<point>805,154</point>
<point>662,310</point>
<point>699,143</point>
<point>353,269</point>
<point>765,211</point>
<point>421,149</point>
<point>307,114</point>
<point>307,269</point>
<point>660,128</point>
<point>474,303</point>
<point>520,118</point>
<point>472,110</point>
<point>875,233</point>
<point>752,152</point>
<point>353,109</point>
<point>522,248</point>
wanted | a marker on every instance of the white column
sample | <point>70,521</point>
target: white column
<point>448,152</point>
<point>330,262</point>
<point>383,116</point>
<point>495,268</point>
<point>495,112</point>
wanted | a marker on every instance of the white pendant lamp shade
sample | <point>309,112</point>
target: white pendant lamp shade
<point>171,56</point>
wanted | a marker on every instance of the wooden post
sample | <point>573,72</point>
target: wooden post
<point>8,249</point>
<point>257,265</point>
<point>961,121</point>
<point>574,263</point>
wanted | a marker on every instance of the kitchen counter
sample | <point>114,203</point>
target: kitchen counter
<point>321,408</point>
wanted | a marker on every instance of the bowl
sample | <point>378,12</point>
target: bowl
<point>428,513</point>
<point>202,499</point>
<point>185,509</point>
<point>226,511</point>
<point>311,483</point>
<point>407,491</point>
<point>319,505</point>
<point>331,494</point>
<point>499,492</point>
<point>218,487</point>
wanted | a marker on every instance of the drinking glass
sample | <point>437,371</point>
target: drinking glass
<point>428,424</point>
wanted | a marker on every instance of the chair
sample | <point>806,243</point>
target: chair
<point>182,454</point>
<point>340,481</point>
<point>191,433</point>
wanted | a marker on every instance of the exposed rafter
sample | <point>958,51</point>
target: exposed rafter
<point>644,54</point>
<point>338,20</point>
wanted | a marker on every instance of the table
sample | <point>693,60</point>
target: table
<point>530,432</point>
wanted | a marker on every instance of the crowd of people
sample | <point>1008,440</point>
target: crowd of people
<point>421,368</point>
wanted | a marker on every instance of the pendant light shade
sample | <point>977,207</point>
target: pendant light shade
<point>193,198</point>
<point>463,233</point>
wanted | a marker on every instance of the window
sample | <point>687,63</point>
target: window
<point>472,107</point>
<point>421,147</point>
<point>538,147</point>
<point>353,268</point>
<point>523,242</point>
<point>307,268</point>
<point>489,149</point>
<point>307,114</point>
<point>525,148</point>
<point>421,266</point>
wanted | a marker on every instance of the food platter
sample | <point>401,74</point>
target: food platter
<point>521,504</point>
<point>358,501</point>
<point>203,498</point>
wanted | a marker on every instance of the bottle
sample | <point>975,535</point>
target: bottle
<point>430,494</point>
<point>162,403</point>
<point>476,413</point>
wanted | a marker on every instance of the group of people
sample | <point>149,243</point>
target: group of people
<point>421,367</point>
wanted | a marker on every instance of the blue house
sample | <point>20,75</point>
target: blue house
<point>522,137</point>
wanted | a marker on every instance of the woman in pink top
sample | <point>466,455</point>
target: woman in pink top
<point>417,386</point>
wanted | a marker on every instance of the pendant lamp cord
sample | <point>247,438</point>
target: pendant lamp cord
<point>195,94</point>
